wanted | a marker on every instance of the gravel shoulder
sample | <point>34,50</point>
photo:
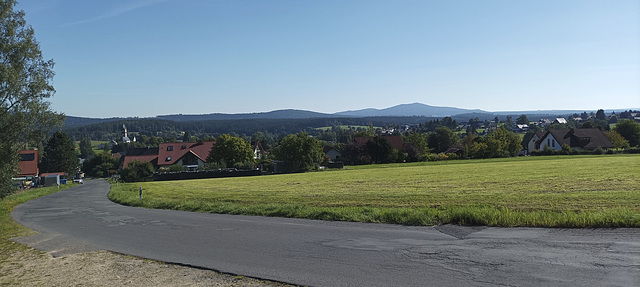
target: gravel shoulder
<point>29,267</point>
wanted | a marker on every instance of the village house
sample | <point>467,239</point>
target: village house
<point>258,151</point>
<point>142,155</point>
<point>560,121</point>
<point>531,145</point>
<point>28,164</point>
<point>578,139</point>
<point>191,155</point>
<point>331,153</point>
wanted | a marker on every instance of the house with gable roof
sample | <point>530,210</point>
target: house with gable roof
<point>531,145</point>
<point>142,155</point>
<point>28,164</point>
<point>332,153</point>
<point>188,154</point>
<point>560,121</point>
<point>579,139</point>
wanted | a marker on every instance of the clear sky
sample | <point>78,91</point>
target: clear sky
<point>155,57</point>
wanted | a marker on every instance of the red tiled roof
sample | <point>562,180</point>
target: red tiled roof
<point>45,174</point>
<point>28,164</point>
<point>153,159</point>
<point>395,141</point>
<point>170,153</point>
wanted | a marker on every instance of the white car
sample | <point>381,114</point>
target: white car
<point>78,180</point>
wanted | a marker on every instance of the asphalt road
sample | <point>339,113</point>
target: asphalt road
<point>320,253</point>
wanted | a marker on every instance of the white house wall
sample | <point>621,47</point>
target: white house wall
<point>551,142</point>
<point>531,146</point>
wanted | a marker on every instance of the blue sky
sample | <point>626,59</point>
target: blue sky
<point>155,57</point>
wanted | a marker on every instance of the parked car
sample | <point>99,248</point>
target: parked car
<point>78,180</point>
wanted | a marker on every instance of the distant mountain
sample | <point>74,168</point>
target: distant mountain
<point>403,110</point>
<point>415,109</point>
<point>278,114</point>
<point>71,121</point>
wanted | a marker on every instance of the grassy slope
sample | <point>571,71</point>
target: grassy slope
<point>9,228</point>
<point>598,191</point>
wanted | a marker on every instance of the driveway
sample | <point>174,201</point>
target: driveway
<point>320,253</point>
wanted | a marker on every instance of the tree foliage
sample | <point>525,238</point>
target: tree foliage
<point>60,155</point>
<point>299,152</point>
<point>442,139</point>
<point>522,120</point>
<point>616,139</point>
<point>630,130</point>
<point>498,143</point>
<point>99,165</point>
<point>600,115</point>
<point>137,171</point>
<point>417,145</point>
<point>381,150</point>
<point>86,150</point>
<point>354,154</point>
<point>230,150</point>
<point>25,84</point>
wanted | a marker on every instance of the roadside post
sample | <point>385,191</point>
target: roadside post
<point>141,192</point>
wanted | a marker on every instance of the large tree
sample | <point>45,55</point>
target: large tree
<point>25,84</point>
<point>502,143</point>
<point>137,171</point>
<point>99,165</point>
<point>86,149</point>
<point>299,152</point>
<point>630,130</point>
<point>442,139</point>
<point>230,150</point>
<point>417,145</point>
<point>522,120</point>
<point>616,139</point>
<point>60,155</point>
<point>381,150</point>
<point>600,115</point>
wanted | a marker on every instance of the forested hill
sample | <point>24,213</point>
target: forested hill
<point>112,129</point>
<point>279,114</point>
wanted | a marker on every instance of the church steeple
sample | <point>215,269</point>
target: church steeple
<point>125,136</point>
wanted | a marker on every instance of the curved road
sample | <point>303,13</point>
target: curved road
<point>319,253</point>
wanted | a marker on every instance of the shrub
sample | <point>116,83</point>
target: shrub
<point>172,168</point>
<point>137,171</point>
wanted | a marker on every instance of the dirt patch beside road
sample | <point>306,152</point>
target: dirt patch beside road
<point>33,268</point>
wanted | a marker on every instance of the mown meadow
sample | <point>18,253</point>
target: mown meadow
<point>559,191</point>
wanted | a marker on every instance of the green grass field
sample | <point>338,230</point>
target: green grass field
<point>569,191</point>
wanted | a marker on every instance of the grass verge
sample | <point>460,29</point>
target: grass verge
<point>561,191</point>
<point>9,228</point>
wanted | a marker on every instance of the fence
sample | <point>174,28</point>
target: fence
<point>204,174</point>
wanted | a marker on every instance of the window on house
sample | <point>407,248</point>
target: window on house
<point>168,158</point>
<point>184,146</point>
<point>548,142</point>
<point>553,143</point>
<point>27,157</point>
<point>170,148</point>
